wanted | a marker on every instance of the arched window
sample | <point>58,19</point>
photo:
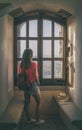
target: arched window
<point>45,35</point>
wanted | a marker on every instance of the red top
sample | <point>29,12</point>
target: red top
<point>33,70</point>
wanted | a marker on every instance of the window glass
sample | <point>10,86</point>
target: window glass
<point>33,46</point>
<point>21,46</point>
<point>58,66</point>
<point>21,30</point>
<point>47,67</point>
<point>33,29</point>
<point>47,28</point>
<point>47,49</point>
<point>58,48</point>
<point>58,30</point>
<point>18,63</point>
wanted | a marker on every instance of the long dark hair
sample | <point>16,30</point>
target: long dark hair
<point>26,58</point>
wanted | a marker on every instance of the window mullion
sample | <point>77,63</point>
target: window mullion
<point>27,34</point>
<point>52,49</point>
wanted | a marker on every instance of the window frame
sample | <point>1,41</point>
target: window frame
<point>40,17</point>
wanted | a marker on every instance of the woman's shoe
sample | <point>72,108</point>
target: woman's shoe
<point>39,122</point>
<point>31,121</point>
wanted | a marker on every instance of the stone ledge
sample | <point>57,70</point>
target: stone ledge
<point>11,116</point>
<point>71,111</point>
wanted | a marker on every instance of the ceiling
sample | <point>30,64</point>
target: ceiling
<point>18,7</point>
<point>4,5</point>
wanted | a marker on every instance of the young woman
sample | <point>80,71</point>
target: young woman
<point>31,70</point>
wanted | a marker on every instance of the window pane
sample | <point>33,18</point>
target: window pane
<point>58,30</point>
<point>47,69</point>
<point>36,61</point>
<point>21,30</point>
<point>33,28</point>
<point>21,46</point>
<point>33,46</point>
<point>58,69</point>
<point>58,48</point>
<point>47,28</point>
<point>18,63</point>
<point>47,48</point>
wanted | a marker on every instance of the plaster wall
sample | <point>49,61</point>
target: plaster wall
<point>6,61</point>
<point>75,27</point>
<point>6,46</point>
<point>51,5</point>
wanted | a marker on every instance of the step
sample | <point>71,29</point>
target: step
<point>11,116</point>
<point>71,112</point>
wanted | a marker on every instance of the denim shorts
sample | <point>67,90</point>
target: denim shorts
<point>34,90</point>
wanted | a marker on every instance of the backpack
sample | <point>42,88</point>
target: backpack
<point>23,82</point>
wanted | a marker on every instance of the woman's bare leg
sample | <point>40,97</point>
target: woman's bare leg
<point>38,101</point>
<point>26,106</point>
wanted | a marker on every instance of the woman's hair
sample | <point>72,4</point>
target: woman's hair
<point>26,58</point>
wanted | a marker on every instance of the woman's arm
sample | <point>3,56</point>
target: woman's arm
<point>36,76</point>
